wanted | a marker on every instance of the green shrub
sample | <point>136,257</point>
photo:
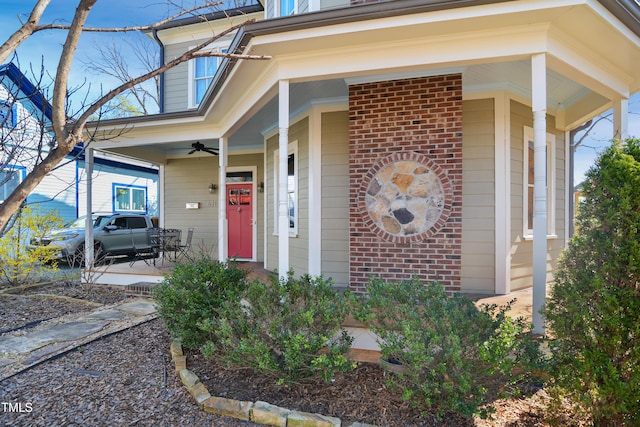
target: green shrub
<point>193,293</point>
<point>289,329</point>
<point>449,347</point>
<point>594,307</point>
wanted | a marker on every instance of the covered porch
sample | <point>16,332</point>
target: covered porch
<point>144,273</point>
<point>504,69</point>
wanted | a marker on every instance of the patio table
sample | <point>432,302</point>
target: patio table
<point>166,242</point>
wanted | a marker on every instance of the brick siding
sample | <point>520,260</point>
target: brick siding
<point>406,119</point>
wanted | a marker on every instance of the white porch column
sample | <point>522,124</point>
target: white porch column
<point>161,194</point>
<point>223,159</point>
<point>502,167</point>
<point>89,256</point>
<point>283,175</point>
<point>539,106</point>
<point>621,119</point>
<point>315,193</point>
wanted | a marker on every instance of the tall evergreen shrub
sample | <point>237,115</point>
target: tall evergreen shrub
<point>594,308</point>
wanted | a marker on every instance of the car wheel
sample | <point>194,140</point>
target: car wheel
<point>78,257</point>
<point>98,252</point>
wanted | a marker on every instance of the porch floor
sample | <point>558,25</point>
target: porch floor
<point>127,273</point>
<point>140,273</point>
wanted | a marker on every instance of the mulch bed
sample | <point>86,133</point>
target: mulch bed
<point>362,395</point>
<point>126,379</point>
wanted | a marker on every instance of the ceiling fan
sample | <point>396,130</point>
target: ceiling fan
<point>198,146</point>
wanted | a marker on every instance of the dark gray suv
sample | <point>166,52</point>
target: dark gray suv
<point>113,234</point>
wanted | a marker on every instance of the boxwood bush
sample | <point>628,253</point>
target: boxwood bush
<point>288,328</point>
<point>450,348</point>
<point>195,292</point>
<point>594,307</point>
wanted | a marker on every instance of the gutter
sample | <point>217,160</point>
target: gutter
<point>198,19</point>
<point>154,33</point>
<point>627,11</point>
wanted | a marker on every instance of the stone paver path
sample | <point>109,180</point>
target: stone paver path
<point>23,349</point>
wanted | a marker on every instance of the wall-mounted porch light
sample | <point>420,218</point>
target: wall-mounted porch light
<point>213,188</point>
<point>261,187</point>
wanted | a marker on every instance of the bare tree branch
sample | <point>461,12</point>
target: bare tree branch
<point>59,118</point>
<point>190,54</point>
<point>131,28</point>
<point>69,132</point>
<point>111,62</point>
<point>26,30</point>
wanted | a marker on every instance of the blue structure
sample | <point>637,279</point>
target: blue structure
<point>119,185</point>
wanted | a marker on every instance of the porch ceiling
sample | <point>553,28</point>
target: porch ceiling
<point>514,76</point>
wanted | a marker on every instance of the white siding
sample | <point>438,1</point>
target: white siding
<point>104,176</point>
<point>57,191</point>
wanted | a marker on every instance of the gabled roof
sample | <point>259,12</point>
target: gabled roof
<point>31,93</point>
<point>29,90</point>
<point>592,59</point>
<point>243,10</point>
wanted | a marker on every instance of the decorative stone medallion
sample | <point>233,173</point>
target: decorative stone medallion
<point>405,196</point>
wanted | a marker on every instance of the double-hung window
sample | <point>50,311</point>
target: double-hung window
<point>203,70</point>
<point>10,178</point>
<point>129,198</point>
<point>7,114</point>
<point>528,179</point>
<point>292,187</point>
<point>287,7</point>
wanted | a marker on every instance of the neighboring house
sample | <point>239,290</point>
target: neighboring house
<point>416,137</point>
<point>120,185</point>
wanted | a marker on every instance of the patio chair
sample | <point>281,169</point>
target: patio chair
<point>144,251</point>
<point>184,249</point>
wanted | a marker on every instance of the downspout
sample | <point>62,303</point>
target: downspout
<point>161,89</point>
<point>574,146</point>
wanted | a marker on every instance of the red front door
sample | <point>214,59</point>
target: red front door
<point>240,220</point>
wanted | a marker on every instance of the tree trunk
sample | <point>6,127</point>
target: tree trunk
<point>33,178</point>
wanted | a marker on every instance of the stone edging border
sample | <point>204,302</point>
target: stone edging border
<point>258,412</point>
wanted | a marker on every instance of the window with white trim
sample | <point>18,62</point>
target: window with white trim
<point>10,178</point>
<point>528,180</point>
<point>7,114</point>
<point>292,187</point>
<point>202,72</point>
<point>129,198</point>
<point>287,7</point>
